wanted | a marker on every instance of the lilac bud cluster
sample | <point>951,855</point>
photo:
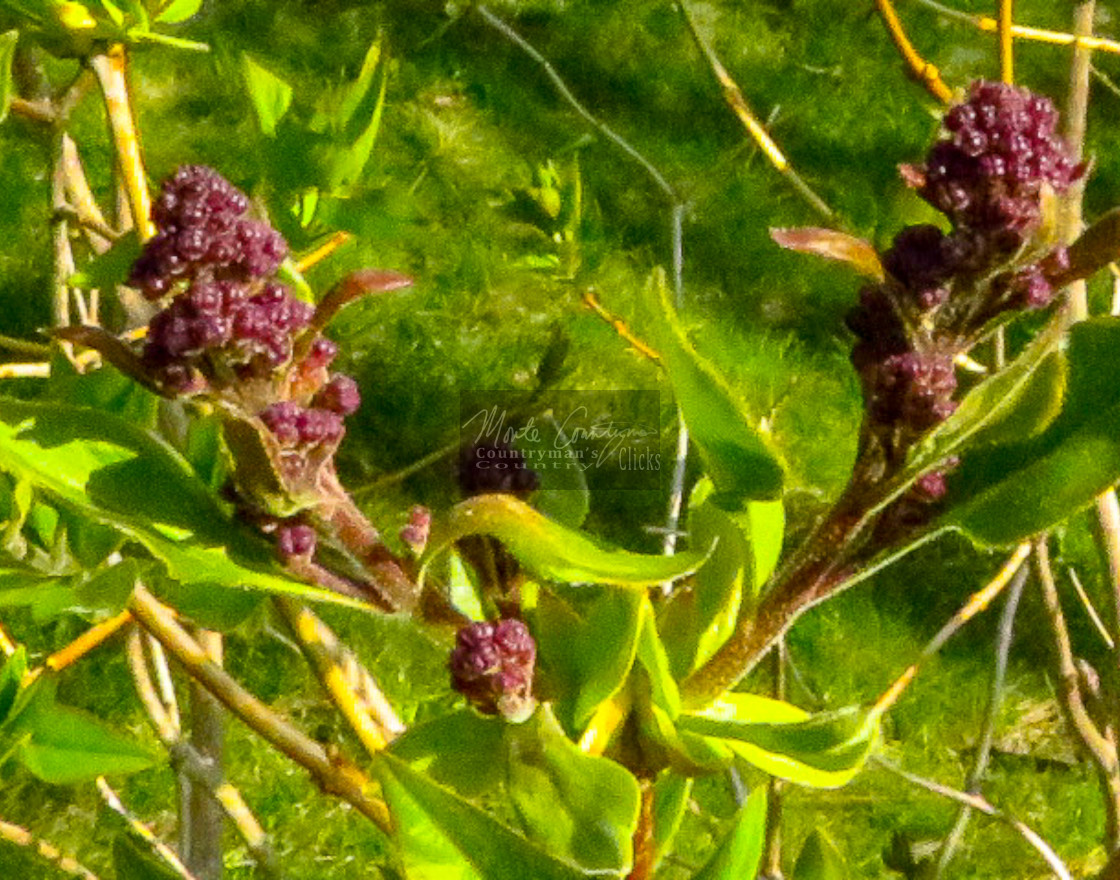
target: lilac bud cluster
<point>232,331</point>
<point>988,176</point>
<point>1001,150</point>
<point>203,234</point>
<point>492,665</point>
<point>496,467</point>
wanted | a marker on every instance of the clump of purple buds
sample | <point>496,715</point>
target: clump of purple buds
<point>230,330</point>
<point>988,176</point>
<point>492,665</point>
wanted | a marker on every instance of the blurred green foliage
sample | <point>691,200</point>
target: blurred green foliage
<point>452,195</point>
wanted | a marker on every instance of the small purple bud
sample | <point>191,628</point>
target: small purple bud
<point>296,541</point>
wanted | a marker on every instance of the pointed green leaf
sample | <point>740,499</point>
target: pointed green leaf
<point>821,751</point>
<point>740,852</point>
<point>136,861</point>
<point>63,745</point>
<point>270,95</point>
<point>581,809</point>
<point>552,550</point>
<point>586,646</point>
<point>736,454</point>
<point>671,792</point>
<point>1006,494</point>
<point>819,859</point>
<point>8,41</point>
<point>12,673</point>
<point>176,11</point>
<point>464,751</point>
<point>440,836</point>
<point>652,656</point>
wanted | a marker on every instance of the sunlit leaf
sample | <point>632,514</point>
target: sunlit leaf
<point>552,550</point>
<point>736,454</point>
<point>440,836</point>
<point>63,745</point>
<point>176,11</point>
<point>8,41</point>
<point>824,750</point>
<point>819,859</point>
<point>270,95</point>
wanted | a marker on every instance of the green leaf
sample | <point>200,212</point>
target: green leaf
<point>176,11</point>
<point>700,616</point>
<point>582,809</point>
<point>1006,494</point>
<point>740,852</point>
<point>652,656</point>
<point>270,95</point>
<point>819,859</point>
<point>440,836</point>
<point>8,41</point>
<point>12,673</point>
<point>463,750</point>
<point>821,751</point>
<point>671,792</point>
<point>63,745</point>
<point>586,647</point>
<point>125,478</point>
<point>552,550</point>
<point>1022,397</point>
<point>736,454</point>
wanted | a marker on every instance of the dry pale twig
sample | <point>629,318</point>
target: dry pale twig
<point>21,836</point>
<point>112,799</point>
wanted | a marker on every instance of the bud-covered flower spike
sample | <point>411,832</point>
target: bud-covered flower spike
<point>492,666</point>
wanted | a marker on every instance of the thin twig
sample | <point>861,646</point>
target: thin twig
<point>1004,637</point>
<point>334,774</point>
<point>1041,35</point>
<point>110,68</point>
<point>558,83</point>
<point>733,95</point>
<point>923,71</point>
<point>983,805</point>
<point>1101,747</point>
<point>1091,610</point>
<point>25,371</point>
<point>976,603</point>
<point>350,687</point>
<point>1006,56</point>
<point>189,762</point>
<point>620,327</point>
<point>86,642</point>
<point>20,836</point>
<point>112,799</point>
<point>25,346</point>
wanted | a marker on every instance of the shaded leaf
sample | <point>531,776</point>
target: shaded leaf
<point>136,861</point>
<point>1009,493</point>
<point>440,836</point>
<point>819,859</point>
<point>125,478</point>
<point>552,550</point>
<point>463,750</point>
<point>740,852</point>
<point>583,809</point>
<point>833,245</point>
<point>12,673</point>
<point>586,648</point>
<point>63,745</point>
<point>736,455</point>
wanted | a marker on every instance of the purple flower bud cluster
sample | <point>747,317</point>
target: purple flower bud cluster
<point>204,235</point>
<point>230,330</point>
<point>496,467</point>
<point>1001,150</point>
<point>492,665</point>
<point>988,176</point>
